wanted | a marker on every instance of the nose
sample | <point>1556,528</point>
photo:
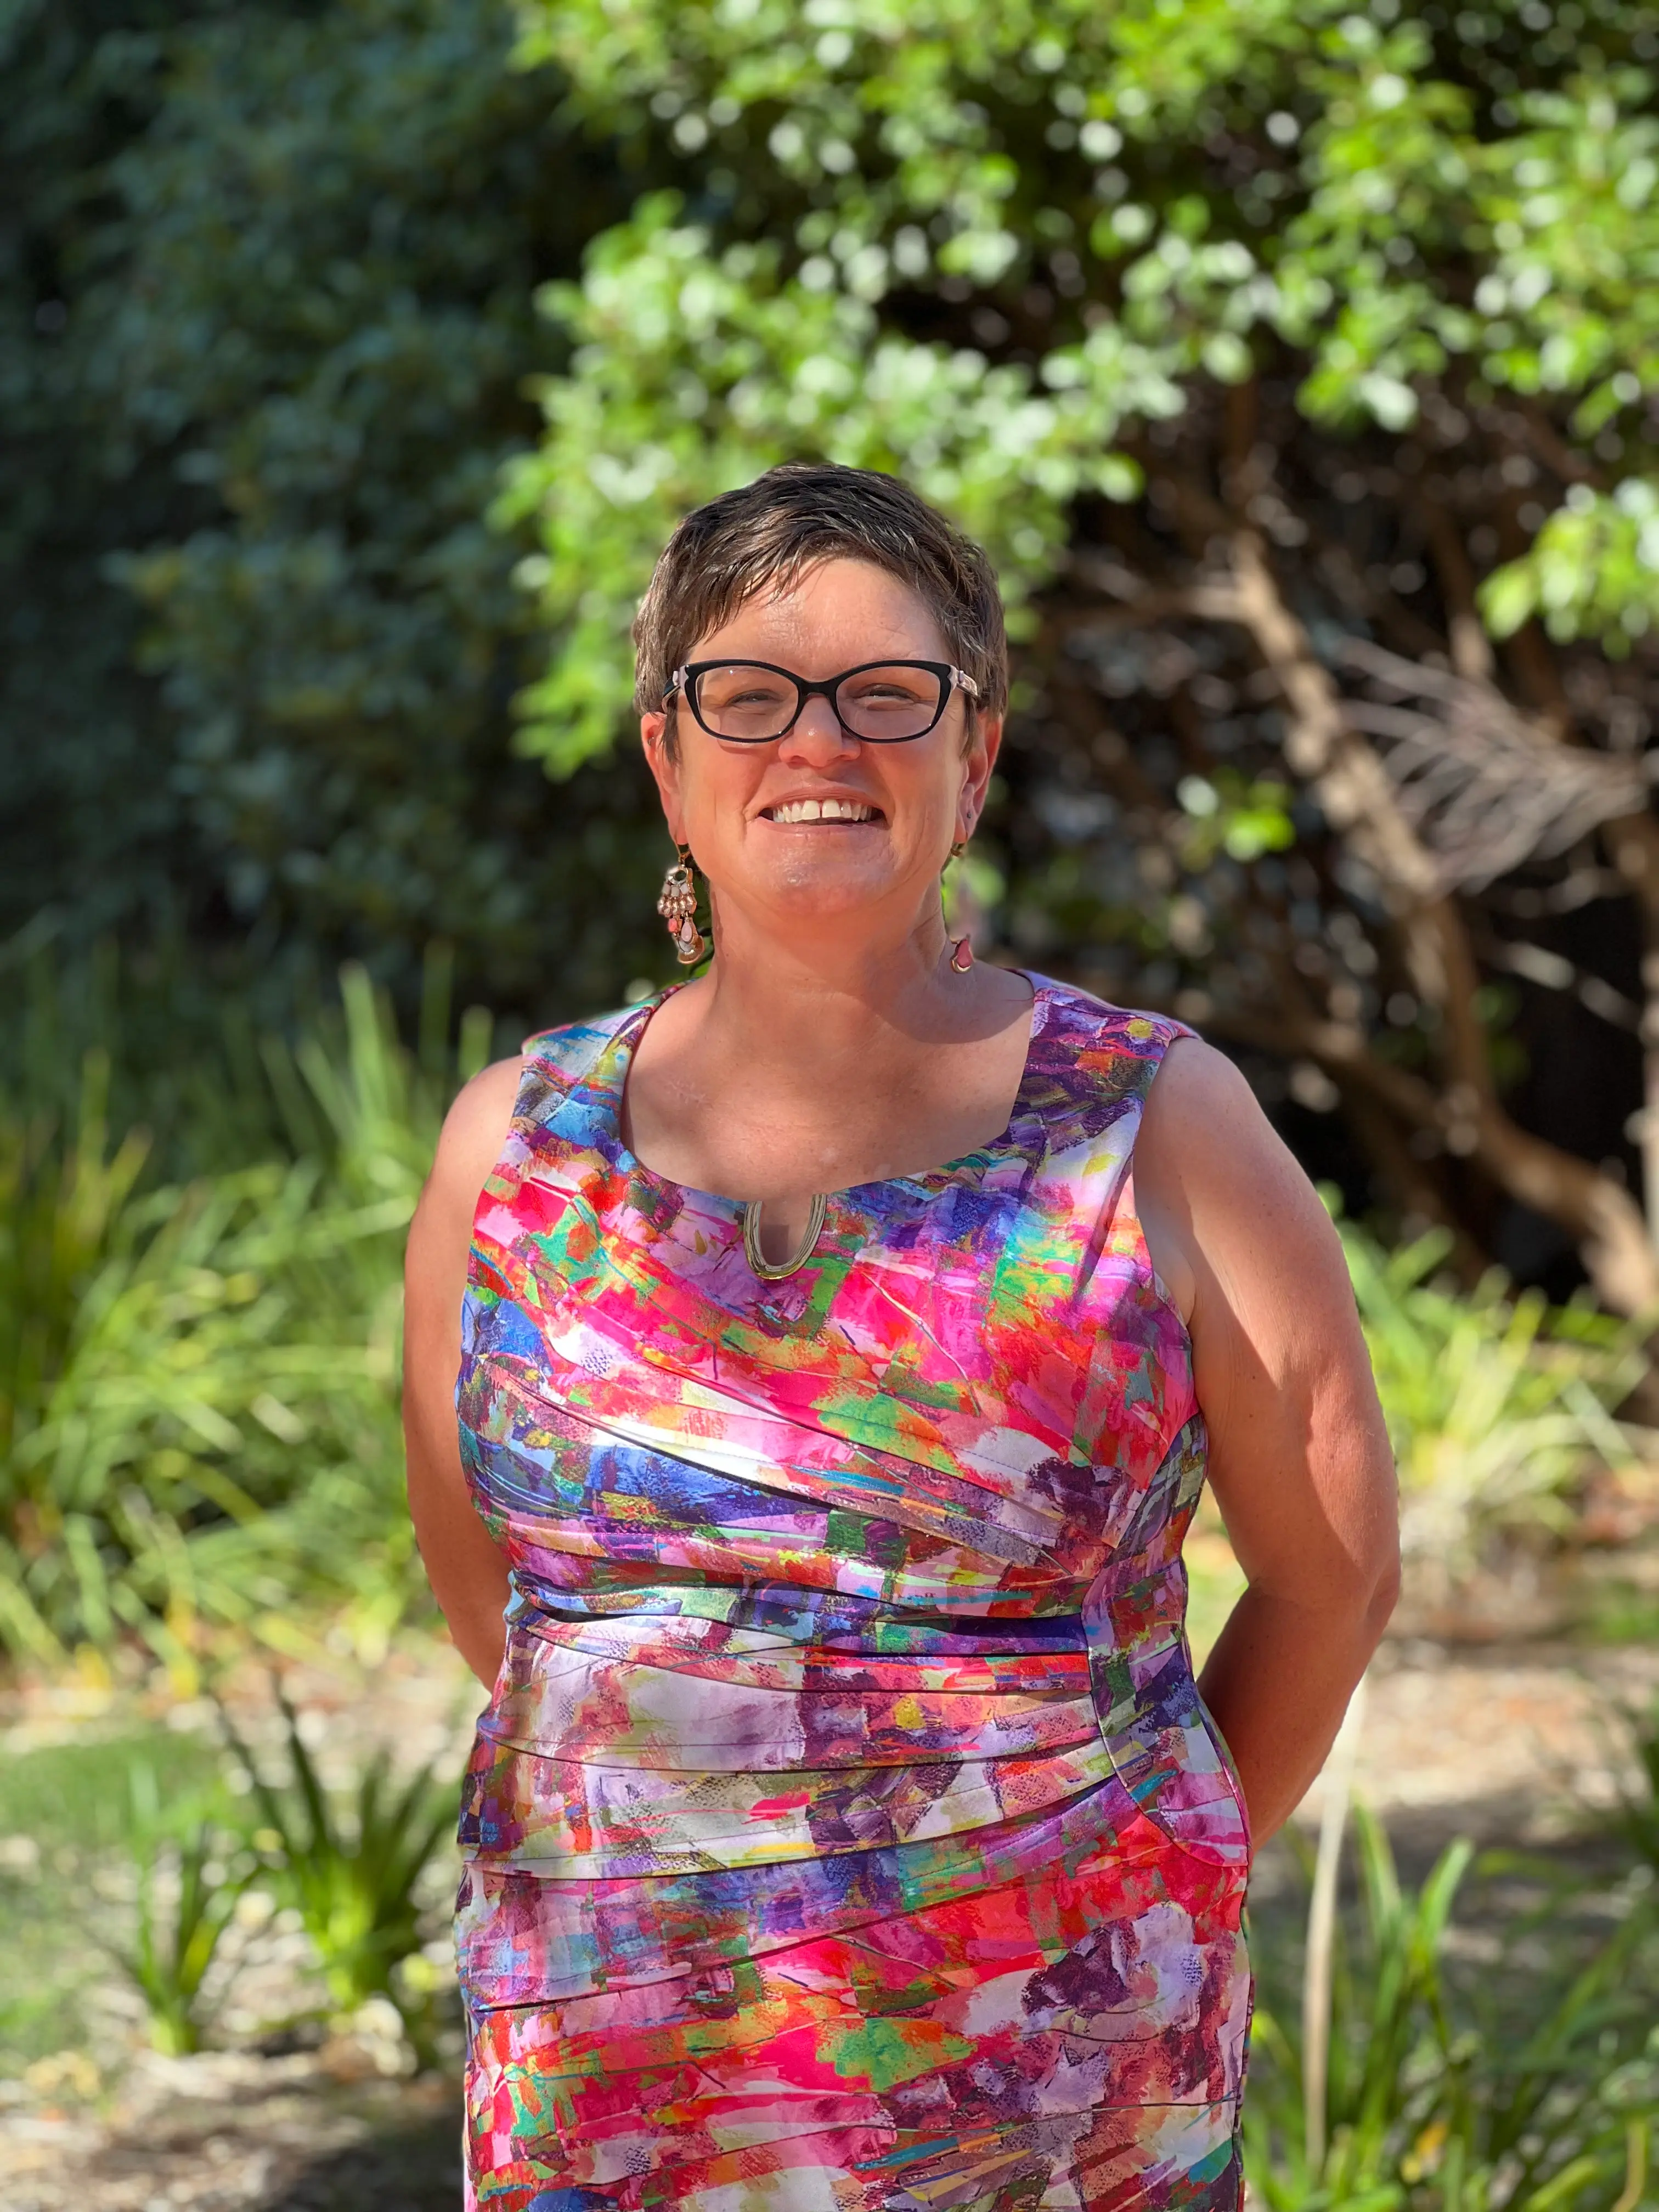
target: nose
<point>817,737</point>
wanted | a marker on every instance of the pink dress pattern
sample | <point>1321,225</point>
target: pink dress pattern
<point>845,1833</point>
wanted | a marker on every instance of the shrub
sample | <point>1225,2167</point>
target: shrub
<point>350,1862</point>
<point>1427,2108</point>
<point>185,1896</point>
<point>1495,1406</point>
<point>198,1383</point>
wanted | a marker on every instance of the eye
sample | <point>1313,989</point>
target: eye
<point>887,688</point>
<point>736,690</point>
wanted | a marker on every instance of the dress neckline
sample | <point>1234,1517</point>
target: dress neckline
<point>609,1078</point>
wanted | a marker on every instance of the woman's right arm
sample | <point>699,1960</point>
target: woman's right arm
<point>467,1570</point>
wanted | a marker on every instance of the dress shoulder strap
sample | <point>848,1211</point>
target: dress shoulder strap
<point>567,1093</point>
<point>1092,1064</point>
<point>566,1058</point>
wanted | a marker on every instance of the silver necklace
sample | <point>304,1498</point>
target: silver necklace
<point>751,1245</point>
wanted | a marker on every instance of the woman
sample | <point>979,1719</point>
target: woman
<point>843,1338</point>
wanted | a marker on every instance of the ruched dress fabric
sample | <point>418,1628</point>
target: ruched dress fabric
<point>845,1833</point>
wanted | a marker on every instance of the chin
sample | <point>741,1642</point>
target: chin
<point>825,883</point>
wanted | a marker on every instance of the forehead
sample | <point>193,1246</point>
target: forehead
<point>836,613</point>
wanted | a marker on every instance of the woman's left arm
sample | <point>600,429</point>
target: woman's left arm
<point>1299,1455</point>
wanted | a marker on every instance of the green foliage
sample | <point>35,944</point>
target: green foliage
<point>330,236</point>
<point>1424,2108</point>
<point>1388,2029</point>
<point>147,1825</point>
<point>269,316</point>
<point>1229,816</point>
<point>198,1399</point>
<point>1637,1819</point>
<point>176,1937</point>
<point>1206,189</point>
<point>352,1870</point>
<point>1494,1408</point>
<point>91,1792</point>
<point>84,813</point>
<point>696,369</point>
<point>1592,570</point>
<point>67,1816</point>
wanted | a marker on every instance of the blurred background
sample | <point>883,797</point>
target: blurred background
<point>1299,365</point>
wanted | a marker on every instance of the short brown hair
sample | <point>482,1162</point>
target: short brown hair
<point>770,531</point>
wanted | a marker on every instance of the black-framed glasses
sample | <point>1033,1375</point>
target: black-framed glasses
<point>881,702</point>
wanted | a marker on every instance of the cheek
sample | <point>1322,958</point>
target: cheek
<point>927,795</point>
<point>716,790</point>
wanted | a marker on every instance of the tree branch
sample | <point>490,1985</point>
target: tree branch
<point>1361,801</point>
<point>1471,649</point>
<point>1603,1218</point>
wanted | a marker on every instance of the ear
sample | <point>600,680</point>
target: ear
<point>977,763</point>
<point>665,768</point>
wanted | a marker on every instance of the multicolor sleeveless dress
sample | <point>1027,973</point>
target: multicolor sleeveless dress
<point>845,1830</point>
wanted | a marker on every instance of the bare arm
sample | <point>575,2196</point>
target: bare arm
<point>1299,1456</point>
<point>467,1571</point>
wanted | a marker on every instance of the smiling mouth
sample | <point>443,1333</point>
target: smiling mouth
<point>821,809</point>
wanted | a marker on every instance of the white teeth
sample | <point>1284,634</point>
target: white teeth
<point>825,810</point>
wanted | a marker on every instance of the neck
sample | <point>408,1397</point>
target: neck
<point>809,1063</point>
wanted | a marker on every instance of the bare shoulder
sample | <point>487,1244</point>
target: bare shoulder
<point>478,1120</point>
<point>1203,1128</point>
<point>1221,1196</point>
<point>473,1137</point>
<point>1198,1096</point>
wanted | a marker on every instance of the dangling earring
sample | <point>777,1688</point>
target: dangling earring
<point>678,907</point>
<point>962,948</point>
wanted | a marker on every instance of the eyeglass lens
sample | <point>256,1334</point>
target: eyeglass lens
<point>881,706</point>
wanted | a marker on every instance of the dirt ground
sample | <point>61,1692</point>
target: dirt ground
<point>1508,1743</point>
<point>227,2132</point>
